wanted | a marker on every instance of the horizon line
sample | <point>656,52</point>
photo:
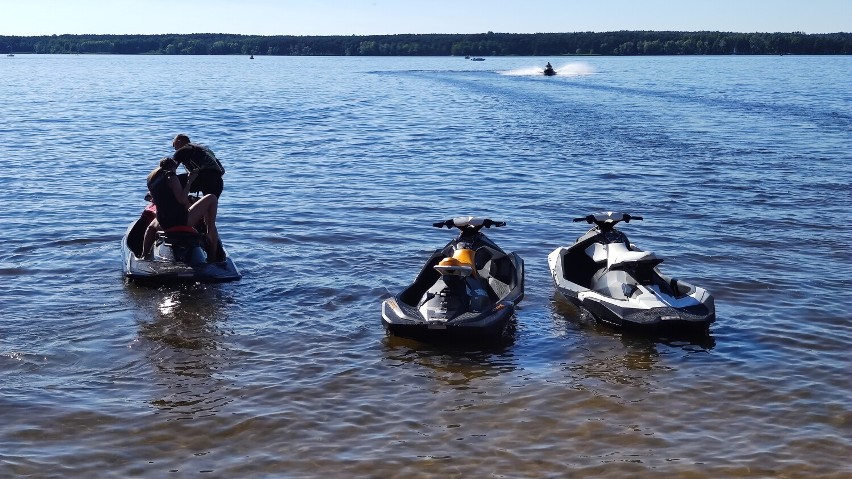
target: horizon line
<point>396,34</point>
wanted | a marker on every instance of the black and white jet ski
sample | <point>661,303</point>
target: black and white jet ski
<point>619,284</point>
<point>178,256</point>
<point>468,289</point>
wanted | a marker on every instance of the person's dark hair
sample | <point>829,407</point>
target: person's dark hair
<point>168,163</point>
<point>180,140</point>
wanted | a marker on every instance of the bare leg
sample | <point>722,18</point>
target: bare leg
<point>213,242</point>
<point>150,237</point>
<point>206,209</point>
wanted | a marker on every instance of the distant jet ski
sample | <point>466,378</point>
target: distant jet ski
<point>549,71</point>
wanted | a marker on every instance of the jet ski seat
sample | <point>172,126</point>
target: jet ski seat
<point>630,258</point>
<point>461,263</point>
<point>181,229</point>
<point>453,267</point>
<point>178,234</point>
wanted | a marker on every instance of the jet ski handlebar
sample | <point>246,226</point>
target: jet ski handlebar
<point>464,222</point>
<point>609,217</point>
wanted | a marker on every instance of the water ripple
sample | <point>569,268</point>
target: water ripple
<point>336,169</point>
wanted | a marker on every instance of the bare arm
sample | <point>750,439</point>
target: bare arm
<point>180,193</point>
<point>190,177</point>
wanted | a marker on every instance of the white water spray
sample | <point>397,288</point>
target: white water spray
<point>569,69</point>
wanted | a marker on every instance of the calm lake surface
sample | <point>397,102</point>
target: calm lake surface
<point>336,168</point>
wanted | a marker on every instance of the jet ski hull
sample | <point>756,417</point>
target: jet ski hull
<point>621,314</point>
<point>401,319</point>
<point>162,268</point>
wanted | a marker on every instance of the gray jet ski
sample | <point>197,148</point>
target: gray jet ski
<point>468,289</point>
<point>621,285</point>
<point>178,256</point>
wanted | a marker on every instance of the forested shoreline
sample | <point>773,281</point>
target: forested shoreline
<point>621,43</point>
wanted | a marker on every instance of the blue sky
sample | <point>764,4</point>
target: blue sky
<point>363,17</point>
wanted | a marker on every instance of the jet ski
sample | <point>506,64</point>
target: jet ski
<point>621,285</point>
<point>549,71</point>
<point>178,256</point>
<point>467,290</point>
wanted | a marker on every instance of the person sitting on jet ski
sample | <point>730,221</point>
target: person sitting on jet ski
<point>201,161</point>
<point>174,209</point>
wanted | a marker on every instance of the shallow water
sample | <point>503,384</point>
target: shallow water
<point>336,169</point>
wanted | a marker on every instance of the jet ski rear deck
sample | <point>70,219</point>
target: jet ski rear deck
<point>178,257</point>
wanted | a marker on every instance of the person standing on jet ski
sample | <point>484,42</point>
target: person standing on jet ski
<point>174,209</point>
<point>204,169</point>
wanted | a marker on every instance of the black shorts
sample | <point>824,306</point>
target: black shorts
<point>207,182</point>
<point>170,219</point>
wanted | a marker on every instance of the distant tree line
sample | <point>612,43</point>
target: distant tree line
<point>482,44</point>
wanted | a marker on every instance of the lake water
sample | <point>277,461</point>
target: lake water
<point>336,168</point>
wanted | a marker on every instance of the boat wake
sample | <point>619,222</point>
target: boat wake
<point>570,69</point>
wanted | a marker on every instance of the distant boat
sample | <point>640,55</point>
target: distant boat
<point>251,57</point>
<point>10,53</point>
<point>477,59</point>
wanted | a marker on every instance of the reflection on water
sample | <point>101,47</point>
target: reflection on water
<point>457,365</point>
<point>615,356</point>
<point>184,343</point>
